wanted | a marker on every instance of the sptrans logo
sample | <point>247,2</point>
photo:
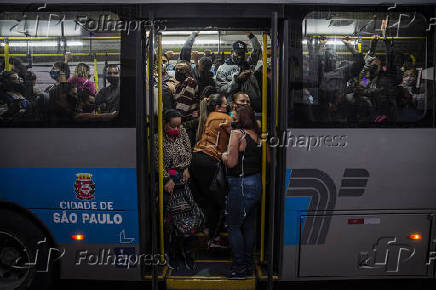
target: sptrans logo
<point>84,186</point>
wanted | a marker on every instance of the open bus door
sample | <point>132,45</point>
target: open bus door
<point>210,272</point>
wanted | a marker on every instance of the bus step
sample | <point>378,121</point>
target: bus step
<point>209,274</point>
<point>262,273</point>
<point>162,271</point>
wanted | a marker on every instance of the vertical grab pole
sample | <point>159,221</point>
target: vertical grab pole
<point>95,72</point>
<point>272,171</point>
<point>264,144</point>
<point>160,142</point>
<point>150,78</point>
<point>7,65</point>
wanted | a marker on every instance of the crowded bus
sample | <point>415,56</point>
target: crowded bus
<point>216,145</point>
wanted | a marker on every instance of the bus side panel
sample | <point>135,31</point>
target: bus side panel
<point>78,181</point>
<point>339,179</point>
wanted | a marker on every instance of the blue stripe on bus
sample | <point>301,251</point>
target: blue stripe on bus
<point>49,192</point>
<point>47,187</point>
<point>295,206</point>
<point>98,227</point>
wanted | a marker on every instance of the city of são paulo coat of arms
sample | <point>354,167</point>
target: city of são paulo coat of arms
<point>84,186</point>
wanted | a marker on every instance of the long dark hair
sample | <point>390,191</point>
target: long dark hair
<point>247,119</point>
<point>214,100</point>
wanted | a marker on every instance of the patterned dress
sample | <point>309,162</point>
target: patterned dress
<point>176,153</point>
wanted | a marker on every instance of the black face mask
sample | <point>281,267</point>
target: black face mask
<point>235,125</point>
<point>241,105</point>
<point>180,76</point>
<point>113,80</point>
<point>237,59</point>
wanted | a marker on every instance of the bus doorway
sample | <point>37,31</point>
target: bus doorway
<point>205,261</point>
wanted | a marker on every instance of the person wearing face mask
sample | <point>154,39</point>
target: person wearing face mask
<point>236,74</point>
<point>181,92</point>
<point>206,155</point>
<point>60,72</point>
<point>407,98</point>
<point>64,106</point>
<point>13,104</point>
<point>203,75</point>
<point>85,88</point>
<point>176,175</point>
<point>108,98</point>
<point>383,81</point>
<point>238,99</point>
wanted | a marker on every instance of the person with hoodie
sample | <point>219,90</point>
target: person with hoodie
<point>201,71</point>
<point>236,74</point>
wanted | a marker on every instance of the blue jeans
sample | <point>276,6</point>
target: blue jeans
<point>242,203</point>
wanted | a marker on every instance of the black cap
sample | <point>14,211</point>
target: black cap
<point>239,47</point>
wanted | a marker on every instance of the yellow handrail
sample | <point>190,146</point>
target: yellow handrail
<point>348,53</point>
<point>57,37</point>
<point>160,142</point>
<point>61,54</point>
<point>6,56</point>
<point>95,74</point>
<point>264,144</point>
<point>368,37</point>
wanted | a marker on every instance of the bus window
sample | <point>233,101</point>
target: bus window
<point>59,69</point>
<point>362,69</point>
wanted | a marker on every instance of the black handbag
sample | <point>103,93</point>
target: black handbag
<point>219,182</point>
<point>187,218</point>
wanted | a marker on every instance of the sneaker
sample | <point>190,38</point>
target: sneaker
<point>237,273</point>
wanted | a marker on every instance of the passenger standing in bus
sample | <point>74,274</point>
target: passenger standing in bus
<point>206,156</point>
<point>181,93</point>
<point>203,75</point>
<point>243,160</point>
<point>85,88</point>
<point>181,224</point>
<point>60,72</point>
<point>63,106</point>
<point>236,74</point>
<point>239,99</point>
<point>382,86</point>
<point>108,98</point>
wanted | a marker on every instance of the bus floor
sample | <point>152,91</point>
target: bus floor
<point>212,266</point>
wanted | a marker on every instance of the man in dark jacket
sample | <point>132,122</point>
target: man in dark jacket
<point>236,74</point>
<point>201,72</point>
